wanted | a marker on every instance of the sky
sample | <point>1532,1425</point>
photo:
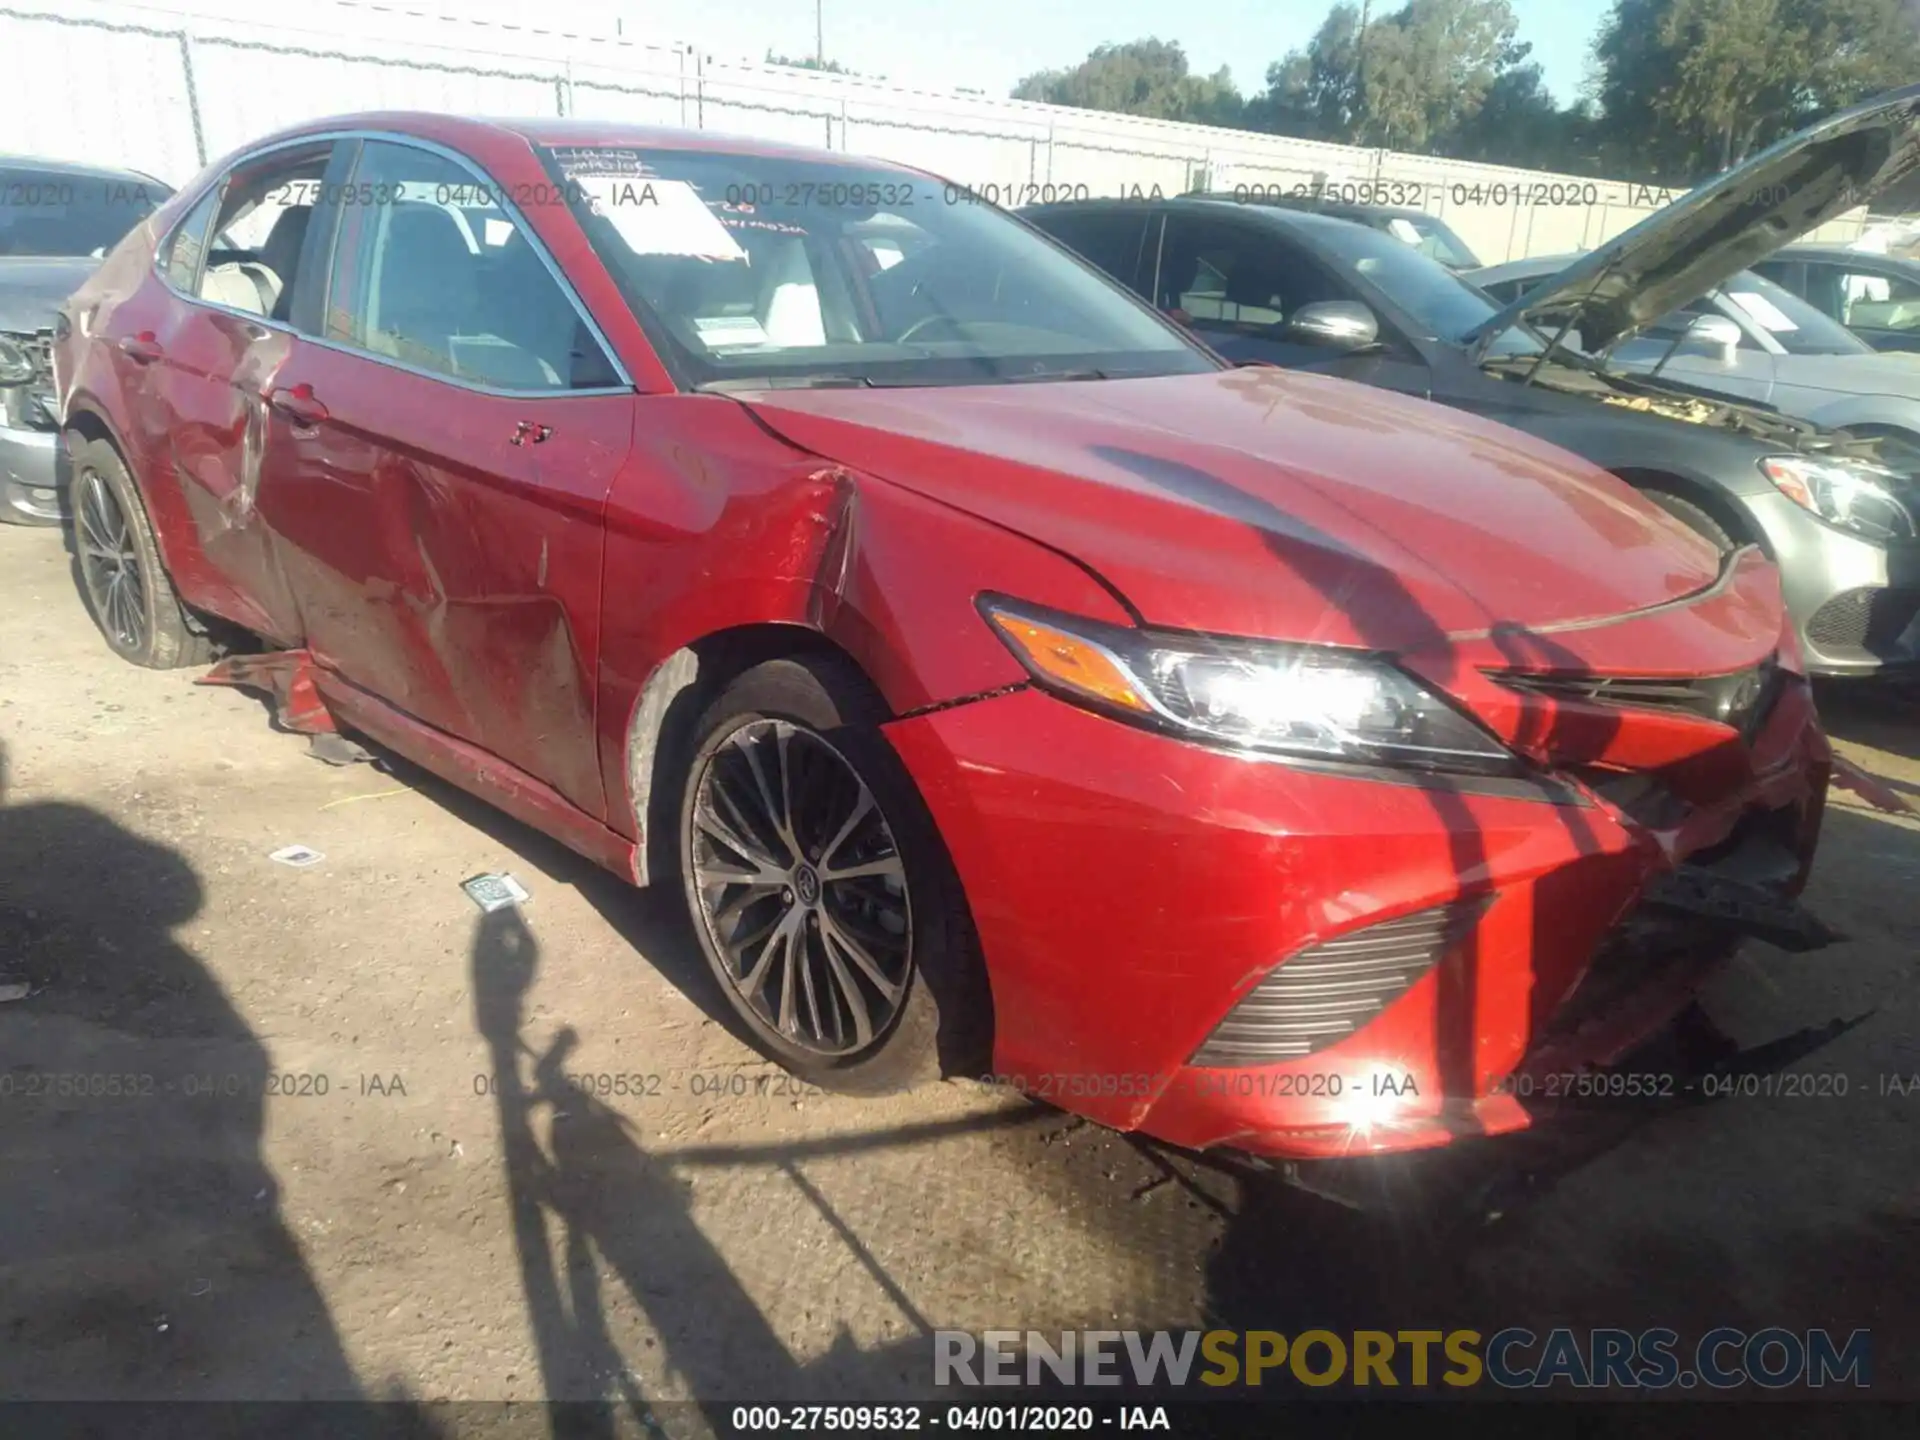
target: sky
<point>989,45</point>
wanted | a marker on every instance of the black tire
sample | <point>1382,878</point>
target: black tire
<point>1693,517</point>
<point>813,720</point>
<point>127,591</point>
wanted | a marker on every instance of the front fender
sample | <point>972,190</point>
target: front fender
<point>1886,412</point>
<point>741,529</point>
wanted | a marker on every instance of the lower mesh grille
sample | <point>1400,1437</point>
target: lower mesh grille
<point>1322,995</point>
<point>1863,619</point>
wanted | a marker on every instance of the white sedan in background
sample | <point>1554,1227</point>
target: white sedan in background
<point>1750,339</point>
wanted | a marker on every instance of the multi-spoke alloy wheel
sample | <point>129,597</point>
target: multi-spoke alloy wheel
<point>110,563</point>
<point>117,565</point>
<point>801,887</point>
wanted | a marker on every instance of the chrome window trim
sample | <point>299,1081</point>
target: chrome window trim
<point>512,211</point>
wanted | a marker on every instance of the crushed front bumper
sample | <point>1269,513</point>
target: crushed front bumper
<point>1132,891</point>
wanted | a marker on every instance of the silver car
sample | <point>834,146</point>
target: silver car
<point>56,222</point>
<point>1846,536</point>
<point>1753,340</point>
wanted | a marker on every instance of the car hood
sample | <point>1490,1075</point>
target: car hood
<point>1271,503</point>
<point>1884,372</point>
<point>32,288</point>
<point>1720,228</point>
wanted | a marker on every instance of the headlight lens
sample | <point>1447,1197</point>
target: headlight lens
<point>16,366</point>
<point>1308,701</point>
<point>1850,493</point>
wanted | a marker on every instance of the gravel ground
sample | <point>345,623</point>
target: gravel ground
<point>345,1161</point>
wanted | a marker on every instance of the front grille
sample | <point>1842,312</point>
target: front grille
<point>1743,699</point>
<point>1865,619</point>
<point>1323,994</point>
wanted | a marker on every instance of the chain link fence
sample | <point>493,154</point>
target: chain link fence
<point>136,86</point>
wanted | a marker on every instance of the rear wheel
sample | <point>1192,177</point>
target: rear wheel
<point>125,585</point>
<point>820,892</point>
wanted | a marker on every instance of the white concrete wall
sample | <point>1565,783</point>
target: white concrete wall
<point>156,86</point>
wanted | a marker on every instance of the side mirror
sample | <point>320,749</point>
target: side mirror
<point>1716,332</point>
<point>1335,324</point>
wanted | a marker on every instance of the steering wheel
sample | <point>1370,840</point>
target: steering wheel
<point>923,323</point>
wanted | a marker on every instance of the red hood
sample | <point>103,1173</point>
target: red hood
<point>1270,503</point>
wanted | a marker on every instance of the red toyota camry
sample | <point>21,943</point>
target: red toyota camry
<point>1012,686</point>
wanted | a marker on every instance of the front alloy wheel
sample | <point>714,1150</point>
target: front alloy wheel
<point>819,888</point>
<point>801,887</point>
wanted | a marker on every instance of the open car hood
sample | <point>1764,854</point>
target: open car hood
<point>1718,229</point>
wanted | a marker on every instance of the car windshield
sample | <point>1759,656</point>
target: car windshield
<point>1433,238</point>
<point>60,213</point>
<point>1797,327</point>
<point>749,269</point>
<point>1439,301</point>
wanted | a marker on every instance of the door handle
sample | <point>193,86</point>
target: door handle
<point>143,348</point>
<point>299,405</point>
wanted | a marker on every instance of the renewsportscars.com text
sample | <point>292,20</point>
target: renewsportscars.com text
<point>1773,1358</point>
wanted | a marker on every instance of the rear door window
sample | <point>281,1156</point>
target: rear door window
<point>260,232</point>
<point>188,246</point>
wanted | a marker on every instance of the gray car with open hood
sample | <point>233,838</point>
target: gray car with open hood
<point>1838,510</point>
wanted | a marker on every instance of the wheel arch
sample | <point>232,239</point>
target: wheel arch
<point>1717,503</point>
<point>680,687</point>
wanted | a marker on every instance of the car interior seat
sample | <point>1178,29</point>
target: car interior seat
<point>421,294</point>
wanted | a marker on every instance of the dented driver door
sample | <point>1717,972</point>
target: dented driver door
<point>444,445</point>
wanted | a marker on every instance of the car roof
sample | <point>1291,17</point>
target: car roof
<point>1317,205</point>
<point>74,167</point>
<point>1329,227</point>
<point>461,132</point>
<point>1525,266</point>
<point>1841,253</point>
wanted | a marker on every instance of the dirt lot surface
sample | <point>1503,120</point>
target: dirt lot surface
<point>368,1144</point>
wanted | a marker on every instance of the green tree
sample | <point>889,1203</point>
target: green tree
<point>1689,87</point>
<point>1313,93</point>
<point>1519,123</point>
<point>1142,77</point>
<point>1411,80</point>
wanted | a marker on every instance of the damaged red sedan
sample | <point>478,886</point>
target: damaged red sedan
<point>1246,757</point>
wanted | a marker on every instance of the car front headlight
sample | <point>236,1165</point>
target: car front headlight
<point>16,365</point>
<point>1307,701</point>
<point>1852,494</point>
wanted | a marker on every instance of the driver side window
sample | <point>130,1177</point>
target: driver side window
<point>261,230</point>
<point>1234,280</point>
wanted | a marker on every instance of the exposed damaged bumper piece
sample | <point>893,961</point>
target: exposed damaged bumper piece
<point>1743,906</point>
